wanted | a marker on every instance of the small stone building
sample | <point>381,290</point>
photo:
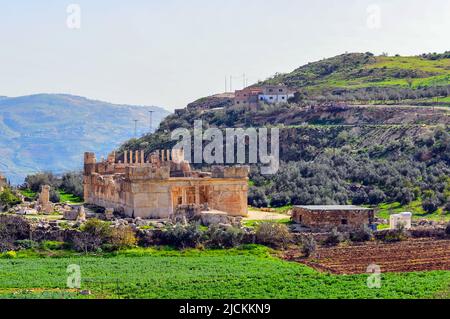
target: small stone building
<point>325,218</point>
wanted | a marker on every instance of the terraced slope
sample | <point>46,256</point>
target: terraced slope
<point>412,255</point>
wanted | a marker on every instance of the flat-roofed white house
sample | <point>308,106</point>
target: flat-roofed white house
<point>274,94</point>
<point>270,94</point>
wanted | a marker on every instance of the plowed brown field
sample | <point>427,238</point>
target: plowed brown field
<point>412,255</point>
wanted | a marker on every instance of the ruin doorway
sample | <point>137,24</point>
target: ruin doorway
<point>204,194</point>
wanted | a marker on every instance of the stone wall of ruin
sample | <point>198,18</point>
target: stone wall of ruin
<point>149,190</point>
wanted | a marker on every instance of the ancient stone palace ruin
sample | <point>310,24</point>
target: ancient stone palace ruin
<point>156,185</point>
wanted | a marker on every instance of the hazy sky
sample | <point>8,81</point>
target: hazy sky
<point>171,52</point>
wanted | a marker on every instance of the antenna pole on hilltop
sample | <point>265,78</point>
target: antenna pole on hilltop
<point>243,81</point>
<point>231,83</point>
<point>226,84</point>
<point>150,113</point>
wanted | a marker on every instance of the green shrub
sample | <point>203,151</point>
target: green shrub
<point>64,225</point>
<point>12,228</point>
<point>447,208</point>
<point>361,235</point>
<point>27,244</point>
<point>52,245</point>
<point>10,254</point>
<point>426,232</point>
<point>35,181</point>
<point>308,246</point>
<point>393,235</point>
<point>92,235</point>
<point>219,237</point>
<point>334,238</point>
<point>72,182</point>
<point>182,236</point>
<point>122,237</point>
<point>54,196</point>
<point>273,234</point>
<point>86,242</point>
<point>97,227</point>
<point>8,198</point>
<point>430,205</point>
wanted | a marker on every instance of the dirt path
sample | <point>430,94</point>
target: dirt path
<point>260,215</point>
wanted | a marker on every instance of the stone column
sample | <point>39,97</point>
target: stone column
<point>131,157</point>
<point>136,156</point>
<point>174,156</point>
<point>183,196</point>
<point>142,157</point>
<point>125,157</point>
<point>45,195</point>
<point>197,195</point>
<point>170,204</point>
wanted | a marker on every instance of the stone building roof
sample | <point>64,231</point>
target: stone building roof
<point>333,207</point>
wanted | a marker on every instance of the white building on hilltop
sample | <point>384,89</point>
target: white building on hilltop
<point>270,94</point>
<point>274,94</point>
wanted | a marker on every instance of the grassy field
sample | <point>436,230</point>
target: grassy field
<point>415,207</point>
<point>28,193</point>
<point>69,198</point>
<point>65,197</point>
<point>238,273</point>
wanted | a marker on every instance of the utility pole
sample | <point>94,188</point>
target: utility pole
<point>226,84</point>
<point>231,83</point>
<point>135,128</point>
<point>150,113</point>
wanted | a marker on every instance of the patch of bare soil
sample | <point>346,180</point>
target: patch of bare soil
<point>406,256</point>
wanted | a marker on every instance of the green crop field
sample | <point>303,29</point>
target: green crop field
<point>238,273</point>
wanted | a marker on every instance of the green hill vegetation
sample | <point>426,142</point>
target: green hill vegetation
<point>392,157</point>
<point>365,77</point>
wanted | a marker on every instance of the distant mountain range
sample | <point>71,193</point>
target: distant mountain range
<point>50,132</point>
